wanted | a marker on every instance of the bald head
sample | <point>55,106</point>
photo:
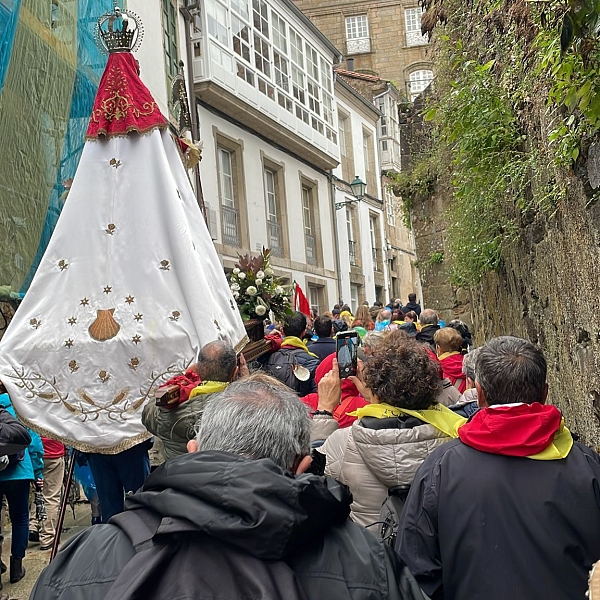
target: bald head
<point>217,361</point>
<point>428,317</point>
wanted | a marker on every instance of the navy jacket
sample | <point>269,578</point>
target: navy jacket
<point>322,347</point>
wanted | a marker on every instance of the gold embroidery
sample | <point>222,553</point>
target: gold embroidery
<point>115,163</point>
<point>165,265</point>
<point>62,265</point>
<point>72,321</point>
<point>138,317</point>
<point>120,103</point>
<point>85,302</point>
<point>104,376</point>
<point>129,299</point>
<point>73,366</point>
<point>136,339</point>
<point>110,229</point>
<point>217,325</point>
<point>104,327</point>
<point>134,363</point>
<point>175,315</point>
<point>35,323</point>
<point>107,289</point>
<point>69,343</point>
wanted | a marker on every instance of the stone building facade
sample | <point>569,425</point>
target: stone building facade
<point>382,38</point>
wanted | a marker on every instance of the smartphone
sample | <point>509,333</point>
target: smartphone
<point>346,352</point>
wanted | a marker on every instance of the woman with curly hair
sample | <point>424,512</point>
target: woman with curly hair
<point>394,434</point>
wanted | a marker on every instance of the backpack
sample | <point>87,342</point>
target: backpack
<point>281,365</point>
<point>391,513</point>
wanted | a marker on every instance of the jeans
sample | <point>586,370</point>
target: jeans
<point>17,496</point>
<point>118,474</point>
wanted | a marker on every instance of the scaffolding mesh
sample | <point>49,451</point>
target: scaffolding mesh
<point>51,74</point>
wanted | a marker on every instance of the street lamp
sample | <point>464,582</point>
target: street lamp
<point>359,189</point>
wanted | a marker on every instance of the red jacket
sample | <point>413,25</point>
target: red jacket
<point>52,448</point>
<point>351,399</point>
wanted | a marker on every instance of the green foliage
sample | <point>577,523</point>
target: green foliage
<point>436,258</point>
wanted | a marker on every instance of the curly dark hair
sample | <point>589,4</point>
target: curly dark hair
<point>401,373</point>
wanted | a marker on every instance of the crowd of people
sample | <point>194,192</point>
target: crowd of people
<point>280,476</point>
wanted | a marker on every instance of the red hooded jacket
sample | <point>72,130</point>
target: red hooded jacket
<point>351,399</point>
<point>452,368</point>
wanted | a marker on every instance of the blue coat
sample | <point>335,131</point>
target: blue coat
<point>32,465</point>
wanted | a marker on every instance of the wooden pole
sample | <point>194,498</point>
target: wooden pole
<point>63,505</point>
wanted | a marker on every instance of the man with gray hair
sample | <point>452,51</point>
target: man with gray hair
<point>237,518</point>
<point>511,509</point>
<point>429,326</point>
<point>174,424</point>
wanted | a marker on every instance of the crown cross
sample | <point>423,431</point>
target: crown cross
<point>119,31</point>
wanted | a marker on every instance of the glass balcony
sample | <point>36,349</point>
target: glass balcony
<point>230,226</point>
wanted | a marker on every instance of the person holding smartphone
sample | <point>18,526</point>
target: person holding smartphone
<point>393,434</point>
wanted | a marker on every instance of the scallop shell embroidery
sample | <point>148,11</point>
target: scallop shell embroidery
<point>104,327</point>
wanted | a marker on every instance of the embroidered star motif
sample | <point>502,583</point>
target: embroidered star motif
<point>107,289</point>
<point>138,317</point>
<point>136,339</point>
<point>85,302</point>
<point>129,299</point>
<point>69,343</point>
<point>72,321</point>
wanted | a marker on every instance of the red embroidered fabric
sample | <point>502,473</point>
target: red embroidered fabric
<point>123,103</point>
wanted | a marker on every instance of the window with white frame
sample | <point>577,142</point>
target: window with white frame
<point>217,22</point>
<point>255,41</point>
<point>241,8</point>
<point>308,219</point>
<point>390,207</point>
<point>279,34</point>
<point>296,48</point>
<point>226,177</point>
<point>271,195</point>
<point>274,221</point>
<point>412,17</point>
<point>357,34</point>
<point>260,14</point>
<point>342,125</point>
<point>419,80</point>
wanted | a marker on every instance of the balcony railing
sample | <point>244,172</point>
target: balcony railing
<point>376,258</point>
<point>275,241</point>
<point>311,250</point>
<point>230,226</point>
<point>352,251</point>
<point>358,45</point>
<point>415,38</point>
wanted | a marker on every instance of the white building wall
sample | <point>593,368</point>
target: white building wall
<point>253,151</point>
<point>364,209</point>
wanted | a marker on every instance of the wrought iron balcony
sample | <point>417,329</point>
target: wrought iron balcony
<point>230,226</point>
<point>311,250</point>
<point>275,241</point>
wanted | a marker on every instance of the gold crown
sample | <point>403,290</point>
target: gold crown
<point>119,31</point>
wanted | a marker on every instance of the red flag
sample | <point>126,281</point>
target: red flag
<point>300,301</point>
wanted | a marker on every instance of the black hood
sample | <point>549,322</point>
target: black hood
<point>252,504</point>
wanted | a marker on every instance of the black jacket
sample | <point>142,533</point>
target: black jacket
<point>425,336</point>
<point>500,527</point>
<point>412,306</point>
<point>224,527</point>
<point>322,347</point>
<point>14,436</point>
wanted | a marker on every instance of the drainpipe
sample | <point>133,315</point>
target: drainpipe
<point>336,236</point>
<point>187,16</point>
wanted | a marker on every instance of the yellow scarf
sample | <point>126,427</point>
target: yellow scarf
<point>296,342</point>
<point>208,387</point>
<point>559,448</point>
<point>449,422</point>
<point>439,416</point>
<point>446,355</point>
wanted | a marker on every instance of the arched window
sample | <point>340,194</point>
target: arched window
<point>419,80</point>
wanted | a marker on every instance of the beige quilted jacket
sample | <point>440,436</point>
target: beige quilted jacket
<point>370,461</point>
